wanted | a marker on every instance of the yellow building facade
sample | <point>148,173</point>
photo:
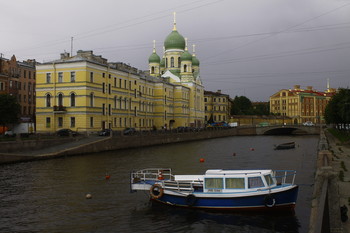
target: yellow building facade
<point>86,93</point>
<point>217,106</point>
<point>301,104</point>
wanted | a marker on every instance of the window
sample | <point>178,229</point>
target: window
<point>48,77</point>
<point>152,70</point>
<point>109,109</point>
<point>48,100</point>
<point>269,180</point>
<point>103,109</point>
<point>91,77</point>
<point>72,77</point>
<point>60,122</point>
<point>72,100</point>
<point>103,88</point>
<point>109,89</point>
<point>91,99</point>
<point>214,183</point>
<point>179,62</point>
<point>48,122</point>
<point>91,122</point>
<point>60,77</point>
<point>60,99</point>
<point>234,183</point>
<point>185,68</point>
<point>172,62</point>
<point>255,182</point>
<point>72,122</point>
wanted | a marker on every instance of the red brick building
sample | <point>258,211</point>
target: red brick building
<point>18,79</point>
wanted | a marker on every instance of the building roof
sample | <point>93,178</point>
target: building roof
<point>174,41</point>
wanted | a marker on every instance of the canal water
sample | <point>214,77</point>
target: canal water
<point>49,196</point>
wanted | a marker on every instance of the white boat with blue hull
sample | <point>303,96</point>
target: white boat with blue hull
<point>220,189</point>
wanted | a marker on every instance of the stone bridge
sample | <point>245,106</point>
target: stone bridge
<point>287,129</point>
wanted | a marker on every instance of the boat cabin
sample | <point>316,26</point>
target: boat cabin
<point>238,180</point>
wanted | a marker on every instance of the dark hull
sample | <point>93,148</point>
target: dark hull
<point>284,200</point>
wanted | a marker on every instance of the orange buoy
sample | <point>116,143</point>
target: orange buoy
<point>107,177</point>
<point>201,160</point>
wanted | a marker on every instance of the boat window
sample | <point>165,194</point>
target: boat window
<point>214,183</point>
<point>255,182</point>
<point>269,180</point>
<point>235,183</point>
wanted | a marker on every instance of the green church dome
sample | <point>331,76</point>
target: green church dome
<point>195,61</point>
<point>154,58</point>
<point>174,41</point>
<point>186,56</point>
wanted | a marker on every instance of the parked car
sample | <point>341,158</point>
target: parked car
<point>105,132</point>
<point>9,133</point>
<point>129,131</point>
<point>66,132</point>
<point>308,123</point>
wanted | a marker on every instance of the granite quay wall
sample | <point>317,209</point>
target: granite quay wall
<point>150,139</point>
<point>325,206</point>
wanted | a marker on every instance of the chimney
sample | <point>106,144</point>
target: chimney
<point>64,55</point>
<point>309,88</point>
<point>296,87</point>
<point>219,91</point>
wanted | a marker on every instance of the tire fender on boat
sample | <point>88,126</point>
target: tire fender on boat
<point>191,199</point>
<point>156,191</point>
<point>269,201</point>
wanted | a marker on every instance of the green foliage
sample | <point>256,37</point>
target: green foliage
<point>342,136</point>
<point>338,108</point>
<point>241,105</point>
<point>9,109</point>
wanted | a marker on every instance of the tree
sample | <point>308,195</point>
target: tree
<point>338,108</point>
<point>9,109</point>
<point>241,105</point>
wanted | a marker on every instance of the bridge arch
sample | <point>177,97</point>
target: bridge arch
<point>284,131</point>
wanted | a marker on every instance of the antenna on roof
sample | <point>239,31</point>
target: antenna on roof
<point>71,46</point>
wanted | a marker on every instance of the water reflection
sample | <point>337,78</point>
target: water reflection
<point>178,219</point>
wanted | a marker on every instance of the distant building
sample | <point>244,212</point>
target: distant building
<point>18,79</point>
<point>217,106</point>
<point>301,104</point>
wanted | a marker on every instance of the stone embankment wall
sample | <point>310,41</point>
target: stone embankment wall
<point>325,213</point>
<point>150,139</point>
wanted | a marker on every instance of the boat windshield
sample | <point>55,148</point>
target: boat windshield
<point>269,180</point>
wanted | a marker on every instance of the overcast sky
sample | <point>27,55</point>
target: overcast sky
<point>245,47</point>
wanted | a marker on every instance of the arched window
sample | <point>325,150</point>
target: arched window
<point>72,100</point>
<point>48,100</point>
<point>166,62</point>
<point>172,62</point>
<point>60,99</point>
<point>178,62</point>
<point>152,70</point>
<point>185,68</point>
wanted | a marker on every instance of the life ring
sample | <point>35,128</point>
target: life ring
<point>269,201</point>
<point>191,200</point>
<point>156,191</point>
